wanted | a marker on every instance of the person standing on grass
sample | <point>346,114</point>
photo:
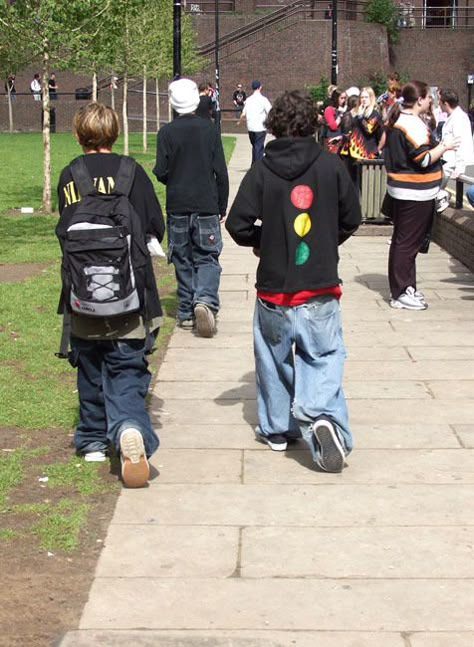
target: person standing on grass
<point>255,112</point>
<point>110,352</point>
<point>308,206</point>
<point>190,161</point>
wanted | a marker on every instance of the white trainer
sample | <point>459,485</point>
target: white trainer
<point>408,300</point>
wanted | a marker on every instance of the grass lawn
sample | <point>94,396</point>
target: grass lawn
<point>37,390</point>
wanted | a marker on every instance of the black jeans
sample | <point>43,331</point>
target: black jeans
<point>411,222</point>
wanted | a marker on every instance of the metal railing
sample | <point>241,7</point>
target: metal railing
<point>460,182</point>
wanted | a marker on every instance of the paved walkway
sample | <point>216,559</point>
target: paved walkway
<point>237,546</point>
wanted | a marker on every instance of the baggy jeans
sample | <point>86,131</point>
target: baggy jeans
<point>299,362</point>
<point>194,247</point>
<point>112,381</point>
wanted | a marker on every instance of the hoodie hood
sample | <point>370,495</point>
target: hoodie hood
<point>290,157</point>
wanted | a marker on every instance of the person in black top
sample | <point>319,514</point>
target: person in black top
<point>238,99</point>
<point>10,86</point>
<point>109,352</point>
<point>307,206</point>
<point>190,161</point>
<point>53,86</point>
<point>205,106</point>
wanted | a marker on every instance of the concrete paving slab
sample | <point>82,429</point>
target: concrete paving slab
<point>309,505</point>
<point>460,390</point>
<point>391,605</point>
<point>221,390</point>
<point>169,552</point>
<point>465,433</point>
<point>451,639</point>
<point>421,370</point>
<point>418,353</point>
<point>249,638</point>
<point>365,466</point>
<point>394,552</point>
<point>198,466</point>
<point>234,340</point>
<point>443,339</point>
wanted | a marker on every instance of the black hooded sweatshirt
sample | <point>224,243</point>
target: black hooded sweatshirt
<point>307,205</point>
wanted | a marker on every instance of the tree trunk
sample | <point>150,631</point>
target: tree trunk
<point>46,131</point>
<point>125,113</point>
<point>145,115</point>
<point>112,90</point>
<point>94,86</point>
<point>10,108</point>
<point>157,90</point>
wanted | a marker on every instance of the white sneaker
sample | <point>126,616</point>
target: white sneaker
<point>442,201</point>
<point>95,457</point>
<point>330,447</point>
<point>408,300</point>
<point>135,468</point>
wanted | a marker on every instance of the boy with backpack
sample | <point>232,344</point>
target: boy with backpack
<point>307,205</point>
<point>109,300</point>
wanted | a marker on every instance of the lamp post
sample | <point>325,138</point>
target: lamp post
<point>176,39</point>
<point>216,27</point>
<point>334,65</point>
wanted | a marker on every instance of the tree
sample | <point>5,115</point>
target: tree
<point>51,31</point>
<point>383,12</point>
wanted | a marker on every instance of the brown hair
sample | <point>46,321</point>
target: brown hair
<point>411,92</point>
<point>96,126</point>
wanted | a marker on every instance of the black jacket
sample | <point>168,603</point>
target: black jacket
<point>301,227</point>
<point>190,161</point>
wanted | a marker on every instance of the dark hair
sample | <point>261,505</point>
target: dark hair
<point>293,114</point>
<point>411,92</point>
<point>352,102</point>
<point>334,100</point>
<point>203,86</point>
<point>450,97</point>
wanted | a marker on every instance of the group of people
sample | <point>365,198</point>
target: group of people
<point>35,86</point>
<point>293,209</point>
<point>425,141</point>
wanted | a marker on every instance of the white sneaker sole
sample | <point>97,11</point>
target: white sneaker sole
<point>394,303</point>
<point>205,320</point>
<point>332,452</point>
<point>95,457</point>
<point>135,467</point>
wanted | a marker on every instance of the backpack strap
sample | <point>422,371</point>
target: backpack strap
<point>81,177</point>
<point>125,176</point>
<point>65,336</point>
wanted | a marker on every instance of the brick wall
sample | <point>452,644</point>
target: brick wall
<point>440,57</point>
<point>454,231</point>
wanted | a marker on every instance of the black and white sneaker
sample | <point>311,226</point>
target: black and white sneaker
<point>329,445</point>
<point>277,442</point>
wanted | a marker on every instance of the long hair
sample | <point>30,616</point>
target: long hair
<point>411,92</point>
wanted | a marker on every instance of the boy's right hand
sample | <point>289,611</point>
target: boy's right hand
<point>451,143</point>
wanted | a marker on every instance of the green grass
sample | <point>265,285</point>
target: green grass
<point>77,474</point>
<point>21,178</point>
<point>59,526</point>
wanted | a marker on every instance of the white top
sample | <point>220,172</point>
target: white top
<point>35,85</point>
<point>255,110</point>
<point>458,125</point>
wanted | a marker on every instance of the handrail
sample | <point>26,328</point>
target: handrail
<point>461,180</point>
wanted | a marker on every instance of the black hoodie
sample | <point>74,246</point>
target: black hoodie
<point>308,206</point>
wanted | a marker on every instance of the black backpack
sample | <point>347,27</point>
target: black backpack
<point>104,252</point>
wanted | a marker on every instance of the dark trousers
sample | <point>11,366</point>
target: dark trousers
<point>112,381</point>
<point>258,141</point>
<point>411,223</point>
